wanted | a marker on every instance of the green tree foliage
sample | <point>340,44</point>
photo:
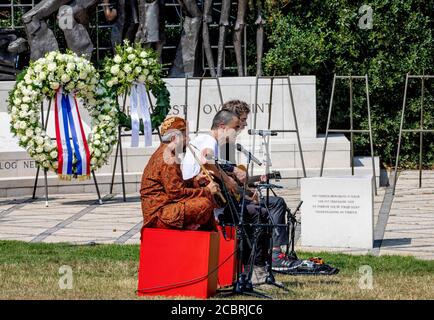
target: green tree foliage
<point>324,37</point>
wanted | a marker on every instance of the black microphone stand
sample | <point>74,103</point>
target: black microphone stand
<point>272,226</point>
<point>242,283</point>
<point>292,222</point>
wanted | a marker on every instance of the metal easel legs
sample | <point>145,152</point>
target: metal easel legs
<point>351,130</point>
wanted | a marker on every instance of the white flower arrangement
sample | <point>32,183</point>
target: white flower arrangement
<point>132,63</point>
<point>40,82</point>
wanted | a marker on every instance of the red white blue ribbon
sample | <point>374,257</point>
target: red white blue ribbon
<point>140,110</point>
<point>69,127</point>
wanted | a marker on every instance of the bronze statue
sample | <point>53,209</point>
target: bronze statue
<point>126,20</point>
<point>72,19</point>
<point>143,21</point>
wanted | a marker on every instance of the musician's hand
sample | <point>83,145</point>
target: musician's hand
<point>201,178</point>
<point>213,187</point>
<point>232,185</point>
<point>240,174</point>
<point>192,227</point>
<point>255,197</point>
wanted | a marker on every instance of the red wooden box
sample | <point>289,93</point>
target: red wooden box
<point>177,262</point>
<point>227,270</point>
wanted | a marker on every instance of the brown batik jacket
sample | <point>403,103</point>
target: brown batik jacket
<point>163,191</point>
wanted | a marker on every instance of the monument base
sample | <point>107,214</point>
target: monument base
<point>337,212</point>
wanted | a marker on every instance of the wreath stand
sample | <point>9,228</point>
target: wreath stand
<point>44,125</point>
<point>119,147</point>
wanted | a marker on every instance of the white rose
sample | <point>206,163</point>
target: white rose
<point>60,57</point>
<point>70,66</point>
<point>39,149</point>
<point>131,57</point>
<point>97,153</point>
<point>40,141</point>
<point>38,68</point>
<point>93,160</point>
<point>117,59</point>
<point>142,78</point>
<point>97,136</point>
<point>29,132</point>
<point>23,114</point>
<point>69,87</point>
<point>53,154</point>
<point>38,130</point>
<point>115,69</point>
<point>146,72</point>
<point>26,99</point>
<point>127,68</point>
<point>130,50</point>
<point>23,125</point>
<point>65,78</point>
<point>150,78</point>
<point>24,139</point>
<point>54,85</point>
<point>121,75</point>
<point>96,142</point>
<point>17,101</point>
<point>33,119</point>
<point>42,76</point>
<point>138,69</point>
<point>143,54</point>
<point>52,67</point>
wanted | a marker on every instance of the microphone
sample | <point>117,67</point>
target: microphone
<point>262,132</point>
<point>248,154</point>
<point>268,186</point>
<point>221,161</point>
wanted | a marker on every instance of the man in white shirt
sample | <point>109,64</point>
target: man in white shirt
<point>224,129</point>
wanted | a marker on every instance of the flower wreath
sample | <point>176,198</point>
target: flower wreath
<point>133,64</point>
<point>74,77</point>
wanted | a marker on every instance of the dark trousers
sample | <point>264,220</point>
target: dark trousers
<point>258,213</point>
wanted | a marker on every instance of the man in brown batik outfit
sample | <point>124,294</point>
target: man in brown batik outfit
<point>167,200</point>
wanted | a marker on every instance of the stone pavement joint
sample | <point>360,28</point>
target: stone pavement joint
<point>15,207</point>
<point>68,221</point>
<point>129,234</point>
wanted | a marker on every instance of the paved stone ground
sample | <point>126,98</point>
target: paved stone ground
<point>404,223</point>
